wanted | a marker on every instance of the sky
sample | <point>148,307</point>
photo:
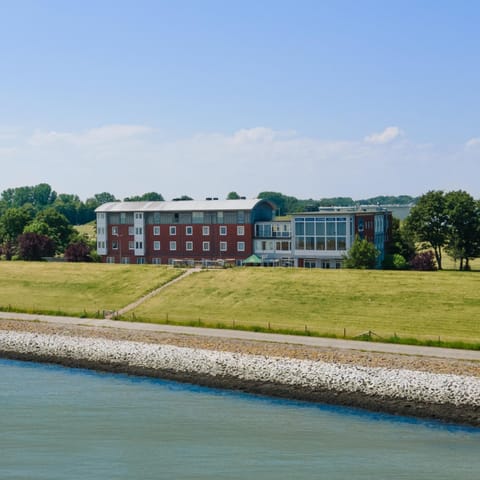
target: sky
<point>309,98</point>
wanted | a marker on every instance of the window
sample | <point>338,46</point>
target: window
<point>206,246</point>
<point>115,245</point>
<point>206,230</point>
<point>197,217</point>
<point>138,215</point>
<point>138,245</point>
<point>125,260</point>
<point>240,230</point>
<point>156,230</point>
<point>223,246</point>
<point>173,246</point>
<point>156,245</point>
<point>140,260</point>
<point>156,261</point>
<point>223,230</point>
<point>173,230</point>
<point>114,230</point>
<point>188,246</point>
<point>189,230</point>
<point>130,245</point>
<point>240,246</point>
<point>130,230</point>
<point>138,231</point>
<point>240,216</point>
<point>110,260</point>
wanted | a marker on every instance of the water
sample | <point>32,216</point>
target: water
<point>58,423</point>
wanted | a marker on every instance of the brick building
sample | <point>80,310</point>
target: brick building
<point>163,232</point>
<point>232,230</point>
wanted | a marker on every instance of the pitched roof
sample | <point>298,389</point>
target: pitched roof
<point>182,206</point>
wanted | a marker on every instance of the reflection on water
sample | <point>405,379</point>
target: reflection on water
<point>59,423</point>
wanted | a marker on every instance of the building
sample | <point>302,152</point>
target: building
<point>320,239</point>
<point>187,231</point>
<point>232,230</point>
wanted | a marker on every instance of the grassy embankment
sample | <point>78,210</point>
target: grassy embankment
<point>77,289</point>
<point>398,306</point>
<point>409,306</point>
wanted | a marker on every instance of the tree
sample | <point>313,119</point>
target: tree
<point>463,239</point>
<point>182,198</point>
<point>362,254</point>
<point>60,229</point>
<point>402,242</point>
<point>32,246</point>
<point>146,197</point>
<point>78,252</point>
<point>104,197</point>
<point>428,222</point>
<point>12,223</point>
<point>233,196</point>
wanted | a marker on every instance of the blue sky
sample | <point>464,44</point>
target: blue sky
<point>309,98</point>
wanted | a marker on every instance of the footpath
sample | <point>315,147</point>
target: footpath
<point>435,352</point>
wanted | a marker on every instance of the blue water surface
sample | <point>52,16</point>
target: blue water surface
<point>60,423</point>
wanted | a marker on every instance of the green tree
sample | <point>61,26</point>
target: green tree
<point>463,239</point>
<point>182,198</point>
<point>402,242</point>
<point>428,222</point>
<point>233,196</point>
<point>60,229</point>
<point>146,197</point>
<point>362,255</point>
<point>12,223</point>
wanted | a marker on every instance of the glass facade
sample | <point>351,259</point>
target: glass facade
<point>322,233</point>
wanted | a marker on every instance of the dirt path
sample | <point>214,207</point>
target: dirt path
<point>155,292</point>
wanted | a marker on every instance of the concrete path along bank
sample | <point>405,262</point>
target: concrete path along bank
<point>255,336</point>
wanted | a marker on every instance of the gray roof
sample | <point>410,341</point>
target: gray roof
<point>181,206</point>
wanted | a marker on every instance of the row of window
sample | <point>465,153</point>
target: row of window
<point>173,230</point>
<point>172,246</point>
<point>185,218</point>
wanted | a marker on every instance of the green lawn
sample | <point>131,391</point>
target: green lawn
<point>74,288</point>
<point>424,305</point>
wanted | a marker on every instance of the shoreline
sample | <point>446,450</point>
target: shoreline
<point>447,397</point>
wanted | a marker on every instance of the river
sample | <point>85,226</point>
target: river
<point>60,423</point>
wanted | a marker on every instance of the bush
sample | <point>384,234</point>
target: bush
<point>424,261</point>
<point>362,254</point>
<point>33,246</point>
<point>78,252</point>
<point>394,262</point>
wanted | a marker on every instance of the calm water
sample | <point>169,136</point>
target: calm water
<point>57,423</point>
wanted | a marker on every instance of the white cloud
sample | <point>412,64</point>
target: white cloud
<point>473,142</point>
<point>129,159</point>
<point>387,136</point>
<point>104,134</point>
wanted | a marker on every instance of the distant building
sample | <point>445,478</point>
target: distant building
<point>209,231</point>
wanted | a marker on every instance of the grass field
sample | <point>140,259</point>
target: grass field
<point>419,305</point>
<point>423,305</point>
<point>76,288</point>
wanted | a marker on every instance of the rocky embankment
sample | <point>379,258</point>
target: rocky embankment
<point>432,388</point>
